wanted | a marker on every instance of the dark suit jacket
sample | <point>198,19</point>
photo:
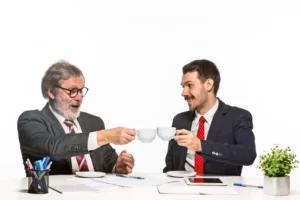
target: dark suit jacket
<point>230,142</point>
<point>41,134</point>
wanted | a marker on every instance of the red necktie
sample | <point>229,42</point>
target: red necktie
<point>199,160</point>
<point>82,164</point>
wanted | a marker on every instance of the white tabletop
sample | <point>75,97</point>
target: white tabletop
<point>17,189</point>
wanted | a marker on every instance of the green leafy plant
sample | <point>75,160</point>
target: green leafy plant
<point>278,162</point>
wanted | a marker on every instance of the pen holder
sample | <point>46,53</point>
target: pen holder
<point>38,181</point>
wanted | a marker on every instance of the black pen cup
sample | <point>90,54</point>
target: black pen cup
<point>38,181</point>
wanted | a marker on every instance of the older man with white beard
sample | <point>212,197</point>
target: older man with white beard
<point>74,140</point>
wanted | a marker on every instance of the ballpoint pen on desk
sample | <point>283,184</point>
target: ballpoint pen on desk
<point>244,185</point>
<point>129,176</point>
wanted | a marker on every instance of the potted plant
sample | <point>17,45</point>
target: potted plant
<point>276,166</point>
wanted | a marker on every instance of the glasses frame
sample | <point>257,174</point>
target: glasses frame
<point>69,91</point>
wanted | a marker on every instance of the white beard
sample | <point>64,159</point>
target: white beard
<point>62,108</point>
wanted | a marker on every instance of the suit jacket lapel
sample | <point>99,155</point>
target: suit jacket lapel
<point>57,129</point>
<point>214,127</point>
<point>83,124</point>
<point>55,125</point>
<point>217,121</point>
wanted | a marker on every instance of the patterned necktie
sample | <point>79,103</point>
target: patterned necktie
<point>199,160</point>
<point>82,164</point>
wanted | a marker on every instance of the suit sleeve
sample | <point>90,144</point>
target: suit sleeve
<point>35,139</point>
<point>243,152</point>
<point>109,155</point>
<point>169,156</point>
<point>110,159</point>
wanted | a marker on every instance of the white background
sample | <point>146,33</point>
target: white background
<point>132,54</point>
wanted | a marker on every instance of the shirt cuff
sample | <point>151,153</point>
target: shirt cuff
<point>92,141</point>
<point>114,169</point>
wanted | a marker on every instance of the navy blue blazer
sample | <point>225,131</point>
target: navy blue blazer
<point>230,142</point>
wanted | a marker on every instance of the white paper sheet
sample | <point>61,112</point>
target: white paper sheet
<point>131,182</point>
<point>72,188</point>
<point>89,182</point>
<point>204,190</point>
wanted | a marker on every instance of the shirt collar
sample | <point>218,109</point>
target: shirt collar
<point>209,115</point>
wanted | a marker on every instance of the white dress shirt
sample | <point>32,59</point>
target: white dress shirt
<point>92,141</point>
<point>190,158</point>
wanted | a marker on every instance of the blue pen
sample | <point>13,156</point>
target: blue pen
<point>244,185</point>
<point>128,176</point>
<point>39,165</point>
<point>45,161</point>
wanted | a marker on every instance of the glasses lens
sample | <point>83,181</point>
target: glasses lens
<point>74,92</point>
<point>84,91</point>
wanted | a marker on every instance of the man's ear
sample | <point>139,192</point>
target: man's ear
<point>50,93</point>
<point>209,85</point>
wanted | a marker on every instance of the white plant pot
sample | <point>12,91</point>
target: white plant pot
<point>277,186</point>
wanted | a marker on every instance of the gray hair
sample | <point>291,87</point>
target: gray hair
<point>57,72</point>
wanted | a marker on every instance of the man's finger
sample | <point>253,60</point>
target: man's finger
<point>127,155</point>
<point>184,144</point>
<point>129,170</point>
<point>129,137</point>
<point>181,137</point>
<point>129,163</point>
<point>131,132</point>
<point>124,151</point>
<point>182,132</point>
<point>127,158</point>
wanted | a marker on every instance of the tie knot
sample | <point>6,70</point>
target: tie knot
<point>202,119</point>
<point>69,123</point>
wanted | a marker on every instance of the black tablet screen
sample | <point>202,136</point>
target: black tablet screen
<point>205,180</point>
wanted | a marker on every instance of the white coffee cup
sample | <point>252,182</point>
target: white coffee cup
<point>166,133</point>
<point>146,135</point>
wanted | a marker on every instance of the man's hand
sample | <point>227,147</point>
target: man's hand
<point>188,139</point>
<point>125,163</point>
<point>119,135</point>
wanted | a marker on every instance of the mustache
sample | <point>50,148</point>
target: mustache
<point>77,103</point>
<point>189,98</point>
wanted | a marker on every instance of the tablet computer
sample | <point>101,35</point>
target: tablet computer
<point>204,181</point>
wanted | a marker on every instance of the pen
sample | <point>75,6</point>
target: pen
<point>129,176</point>
<point>47,168</point>
<point>39,165</point>
<point>31,167</point>
<point>244,185</point>
<point>56,190</point>
<point>45,161</point>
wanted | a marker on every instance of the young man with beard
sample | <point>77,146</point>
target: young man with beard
<point>213,137</point>
<point>74,140</point>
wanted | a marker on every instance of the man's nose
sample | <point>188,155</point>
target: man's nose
<point>79,96</point>
<point>184,92</point>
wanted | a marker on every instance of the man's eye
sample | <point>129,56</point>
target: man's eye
<point>73,91</point>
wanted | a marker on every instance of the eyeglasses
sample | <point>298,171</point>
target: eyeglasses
<point>74,91</point>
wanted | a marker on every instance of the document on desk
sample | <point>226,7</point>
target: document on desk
<point>199,190</point>
<point>89,182</point>
<point>72,188</point>
<point>131,182</point>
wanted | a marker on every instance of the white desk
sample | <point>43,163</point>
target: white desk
<point>17,189</point>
